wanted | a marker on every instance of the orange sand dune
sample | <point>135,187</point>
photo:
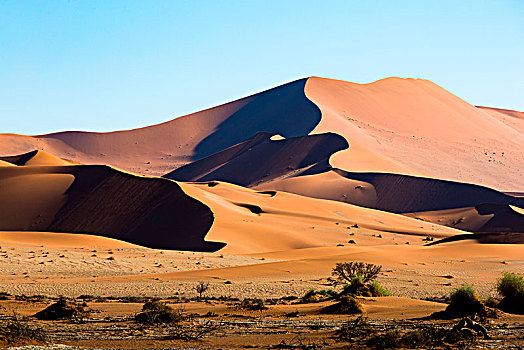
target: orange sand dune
<point>160,213</point>
<point>251,221</point>
<point>300,165</point>
<point>406,126</point>
<point>100,200</point>
<point>481,218</point>
<point>158,149</point>
<point>35,157</point>
<point>420,125</point>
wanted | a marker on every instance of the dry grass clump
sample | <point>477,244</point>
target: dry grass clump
<point>194,331</point>
<point>313,296</point>
<point>252,305</point>
<point>157,312</point>
<point>361,334</point>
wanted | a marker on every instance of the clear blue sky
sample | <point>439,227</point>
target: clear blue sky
<point>109,65</point>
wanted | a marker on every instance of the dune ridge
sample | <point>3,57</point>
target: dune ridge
<point>387,124</point>
<point>401,147</point>
<point>101,200</point>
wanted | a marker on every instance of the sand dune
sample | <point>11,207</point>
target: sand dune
<point>160,213</point>
<point>481,218</point>
<point>406,126</point>
<point>251,221</point>
<point>35,157</point>
<point>100,200</point>
<point>260,159</point>
<point>158,149</point>
<point>350,154</point>
<point>420,125</point>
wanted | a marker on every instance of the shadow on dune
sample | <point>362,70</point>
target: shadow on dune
<point>485,238</point>
<point>284,110</point>
<point>405,194</point>
<point>260,159</point>
<point>152,212</point>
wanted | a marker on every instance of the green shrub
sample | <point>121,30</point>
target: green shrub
<point>510,285</point>
<point>157,312</point>
<point>313,296</point>
<point>464,301</point>
<point>378,291</point>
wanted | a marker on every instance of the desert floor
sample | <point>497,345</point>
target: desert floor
<point>417,276</point>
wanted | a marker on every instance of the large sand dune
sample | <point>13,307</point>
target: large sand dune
<point>347,154</point>
<point>408,126</point>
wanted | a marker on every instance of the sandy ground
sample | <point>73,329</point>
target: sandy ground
<point>111,268</point>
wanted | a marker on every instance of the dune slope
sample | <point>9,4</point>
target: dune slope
<point>100,200</point>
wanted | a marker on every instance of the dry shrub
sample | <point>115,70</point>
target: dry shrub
<point>157,312</point>
<point>252,305</point>
<point>17,330</point>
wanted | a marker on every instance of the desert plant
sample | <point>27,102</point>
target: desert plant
<point>377,290</point>
<point>355,330</point>
<point>201,288</point>
<point>18,330</point>
<point>156,312</point>
<point>464,301</point>
<point>346,272</point>
<point>252,305</point>
<point>313,296</point>
<point>510,285</point>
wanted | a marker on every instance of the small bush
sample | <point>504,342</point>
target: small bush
<point>313,296</point>
<point>510,285</point>
<point>463,302</point>
<point>378,291</point>
<point>157,312</point>
<point>347,305</point>
<point>17,330</point>
<point>346,272</point>
<point>201,288</point>
<point>252,305</point>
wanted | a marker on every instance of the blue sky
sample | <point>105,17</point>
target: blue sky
<point>110,65</point>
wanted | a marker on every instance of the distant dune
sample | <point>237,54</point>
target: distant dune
<point>407,126</point>
<point>397,156</point>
